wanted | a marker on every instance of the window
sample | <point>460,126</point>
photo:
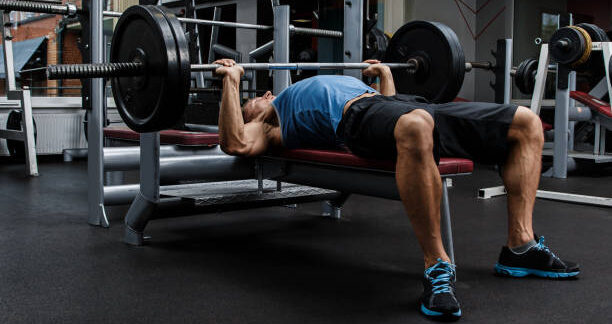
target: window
<point>550,23</point>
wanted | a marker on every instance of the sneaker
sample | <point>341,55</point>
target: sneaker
<point>438,300</point>
<point>538,261</point>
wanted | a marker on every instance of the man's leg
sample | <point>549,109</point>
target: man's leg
<point>419,183</point>
<point>521,174</point>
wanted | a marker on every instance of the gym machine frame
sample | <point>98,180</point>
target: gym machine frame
<point>565,83</point>
<point>26,135</point>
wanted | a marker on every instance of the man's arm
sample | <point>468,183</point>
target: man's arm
<point>387,87</point>
<point>236,137</point>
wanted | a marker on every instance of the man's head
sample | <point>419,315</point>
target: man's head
<point>256,106</point>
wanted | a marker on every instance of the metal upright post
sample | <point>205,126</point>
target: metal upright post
<point>7,44</point>
<point>353,34</point>
<point>95,158</point>
<point>560,145</point>
<point>27,125</point>
<point>540,84</point>
<point>282,78</point>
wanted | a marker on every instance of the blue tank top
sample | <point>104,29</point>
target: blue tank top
<point>310,110</point>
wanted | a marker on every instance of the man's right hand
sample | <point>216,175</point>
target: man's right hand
<point>375,69</point>
<point>229,68</point>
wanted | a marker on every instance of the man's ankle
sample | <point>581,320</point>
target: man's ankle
<point>519,239</point>
<point>431,261</point>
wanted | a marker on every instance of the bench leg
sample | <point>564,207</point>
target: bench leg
<point>447,233</point>
<point>146,201</point>
<point>333,208</point>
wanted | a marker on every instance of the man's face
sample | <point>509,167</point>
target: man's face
<point>256,106</point>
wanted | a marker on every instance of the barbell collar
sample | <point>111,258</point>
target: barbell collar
<point>39,7</point>
<point>316,32</point>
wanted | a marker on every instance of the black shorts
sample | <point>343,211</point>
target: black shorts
<point>473,130</point>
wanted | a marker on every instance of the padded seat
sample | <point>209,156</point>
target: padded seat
<point>448,166</point>
<point>593,103</point>
<point>172,137</point>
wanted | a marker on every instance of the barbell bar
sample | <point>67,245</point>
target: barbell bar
<point>67,9</point>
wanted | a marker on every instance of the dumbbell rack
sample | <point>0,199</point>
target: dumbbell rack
<point>26,134</point>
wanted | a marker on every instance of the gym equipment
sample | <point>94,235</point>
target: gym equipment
<point>68,9</point>
<point>524,76</point>
<point>437,54</point>
<point>571,46</point>
<point>150,66</point>
<point>13,122</point>
<point>24,134</point>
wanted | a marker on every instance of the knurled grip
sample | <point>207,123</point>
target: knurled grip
<point>39,7</point>
<point>85,71</point>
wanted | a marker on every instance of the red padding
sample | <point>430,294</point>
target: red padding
<point>547,126</point>
<point>447,166</point>
<point>592,102</point>
<point>174,137</point>
<point>459,99</point>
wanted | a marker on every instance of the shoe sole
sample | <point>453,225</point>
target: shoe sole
<point>524,272</point>
<point>439,315</point>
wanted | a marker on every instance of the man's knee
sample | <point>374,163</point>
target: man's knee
<point>414,133</point>
<point>526,127</point>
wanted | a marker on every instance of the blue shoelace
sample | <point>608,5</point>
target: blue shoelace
<point>541,246</point>
<point>441,283</point>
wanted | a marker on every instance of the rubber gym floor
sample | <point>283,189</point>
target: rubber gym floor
<point>280,265</point>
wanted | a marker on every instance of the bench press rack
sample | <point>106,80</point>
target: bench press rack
<point>26,134</point>
<point>337,173</point>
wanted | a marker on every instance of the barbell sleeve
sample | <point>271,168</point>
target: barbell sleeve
<point>101,70</point>
<point>40,7</point>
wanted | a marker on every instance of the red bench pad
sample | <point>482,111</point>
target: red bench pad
<point>174,137</point>
<point>339,158</point>
<point>592,102</point>
<point>342,158</point>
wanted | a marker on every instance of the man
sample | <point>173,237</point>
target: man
<point>322,111</point>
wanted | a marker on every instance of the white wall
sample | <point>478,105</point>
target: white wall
<point>446,12</point>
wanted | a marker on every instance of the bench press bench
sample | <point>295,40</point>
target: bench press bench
<point>336,170</point>
<point>601,116</point>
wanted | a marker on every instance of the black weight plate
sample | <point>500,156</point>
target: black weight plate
<point>146,103</point>
<point>595,62</point>
<point>182,46</point>
<point>573,52</point>
<point>525,75</point>
<point>16,148</point>
<point>377,43</point>
<point>441,80</point>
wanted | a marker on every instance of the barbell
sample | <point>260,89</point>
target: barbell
<point>150,68</point>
